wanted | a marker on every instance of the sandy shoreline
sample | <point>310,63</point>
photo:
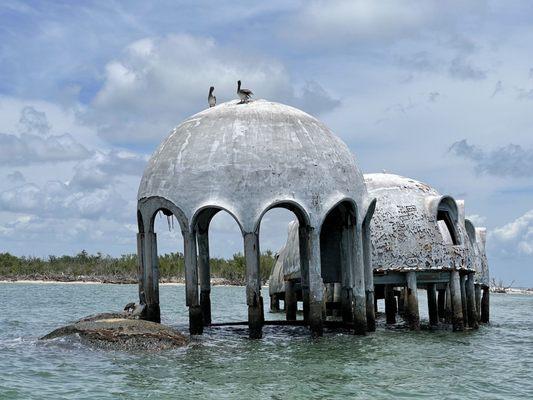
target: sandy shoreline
<point>214,282</point>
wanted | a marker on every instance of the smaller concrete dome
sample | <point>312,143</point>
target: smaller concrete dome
<point>414,227</point>
<point>245,158</point>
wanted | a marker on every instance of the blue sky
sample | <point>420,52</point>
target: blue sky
<point>438,91</point>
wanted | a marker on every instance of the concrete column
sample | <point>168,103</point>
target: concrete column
<point>463,299</point>
<point>477,290</point>
<point>191,284</point>
<point>412,314</point>
<point>253,285</point>
<point>471,302</point>
<point>303,240</point>
<point>149,276</point>
<point>448,311</point>
<point>432,304</point>
<point>312,255</point>
<point>390,304</point>
<point>330,287</point>
<point>204,272</point>
<point>291,303</point>
<point>274,303</point>
<point>401,302</point>
<point>369,279</point>
<point>485,305</point>
<point>359,297</point>
<point>347,271</point>
<point>455,297</point>
<point>337,294</point>
<point>441,303</point>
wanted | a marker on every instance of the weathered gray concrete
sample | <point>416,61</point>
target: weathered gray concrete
<point>477,290</point>
<point>448,310</point>
<point>196,324</point>
<point>471,302</point>
<point>432,304</point>
<point>463,299</point>
<point>149,276</point>
<point>291,304</point>
<point>412,312</point>
<point>204,273</point>
<point>456,304</point>
<point>485,305</point>
<point>253,285</point>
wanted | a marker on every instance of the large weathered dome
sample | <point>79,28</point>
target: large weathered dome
<point>245,158</point>
<point>414,227</point>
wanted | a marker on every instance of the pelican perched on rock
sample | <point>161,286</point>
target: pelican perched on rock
<point>212,100</point>
<point>244,94</point>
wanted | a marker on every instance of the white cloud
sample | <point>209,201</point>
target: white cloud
<point>157,82</point>
<point>516,236</point>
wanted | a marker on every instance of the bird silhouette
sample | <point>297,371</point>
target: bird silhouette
<point>212,100</point>
<point>244,94</point>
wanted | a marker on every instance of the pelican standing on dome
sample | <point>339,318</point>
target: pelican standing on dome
<point>244,94</point>
<point>212,100</point>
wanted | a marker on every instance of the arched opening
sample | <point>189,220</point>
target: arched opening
<point>447,217</point>
<point>342,265</point>
<point>158,215</point>
<point>221,265</point>
<point>279,230</point>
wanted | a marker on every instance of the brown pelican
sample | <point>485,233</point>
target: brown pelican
<point>244,94</point>
<point>212,100</point>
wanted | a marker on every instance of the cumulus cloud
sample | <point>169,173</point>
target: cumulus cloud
<point>157,82</point>
<point>36,145</point>
<point>516,236</point>
<point>510,160</point>
<point>15,177</point>
<point>460,68</point>
<point>56,199</point>
<point>104,169</point>
<point>477,220</point>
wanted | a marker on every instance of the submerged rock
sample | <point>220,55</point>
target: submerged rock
<point>121,331</point>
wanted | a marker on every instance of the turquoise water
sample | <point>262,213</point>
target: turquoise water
<point>494,362</point>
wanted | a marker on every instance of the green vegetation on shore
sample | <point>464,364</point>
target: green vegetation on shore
<point>104,268</point>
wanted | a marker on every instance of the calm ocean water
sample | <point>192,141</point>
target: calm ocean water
<point>495,362</point>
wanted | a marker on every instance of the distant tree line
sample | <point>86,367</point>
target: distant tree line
<point>124,269</point>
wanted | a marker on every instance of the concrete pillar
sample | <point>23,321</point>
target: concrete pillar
<point>485,305</point>
<point>274,303</point>
<point>448,312</point>
<point>253,285</point>
<point>204,272</point>
<point>441,303</point>
<point>401,302</point>
<point>191,284</point>
<point>432,304</point>
<point>337,295</point>
<point>369,279</point>
<point>359,296</point>
<point>291,303</point>
<point>412,313</point>
<point>311,255</point>
<point>471,302</point>
<point>303,240</point>
<point>455,297</point>
<point>463,299</point>
<point>390,304</point>
<point>330,287</point>
<point>149,276</point>
<point>347,273</point>
<point>477,294</point>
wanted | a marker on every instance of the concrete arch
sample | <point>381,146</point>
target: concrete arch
<point>202,214</point>
<point>149,207</point>
<point>291,205</point>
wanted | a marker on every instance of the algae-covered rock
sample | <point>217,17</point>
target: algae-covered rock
<point>119,332</point>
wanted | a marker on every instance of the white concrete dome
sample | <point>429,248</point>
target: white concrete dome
<point>414,227</point>
<point>246,158</point>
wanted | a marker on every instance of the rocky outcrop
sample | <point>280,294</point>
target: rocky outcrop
<point>121,331</point>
